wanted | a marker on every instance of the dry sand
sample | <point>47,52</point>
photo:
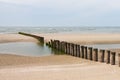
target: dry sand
<point>85,38</point>
<point>15,38</point>
<point>58,67</point>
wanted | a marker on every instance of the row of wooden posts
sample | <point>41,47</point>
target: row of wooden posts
<point>41,39</point>
<point>85,52</point>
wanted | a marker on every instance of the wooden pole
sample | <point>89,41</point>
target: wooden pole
<point>85,52</point>
<point>95,54</point>
<point>68,50</point>
<point>113,58</point>
<point>57,44</point>
<point>108,57</point>
<point>90,50</point>
<point>119,59</point>
<point>62,46</point>
<point>54,44</point>
<point>78,50</point>
<point>82,51</point>
<point>65,47</point>
<point>75,50</point>
<point>51,43</point>
<point>72,49</point>
<point>102,55</point>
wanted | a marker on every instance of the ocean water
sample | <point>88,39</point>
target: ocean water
<point>4,30</point>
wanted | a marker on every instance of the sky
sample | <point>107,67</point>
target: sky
<point>59,12</point>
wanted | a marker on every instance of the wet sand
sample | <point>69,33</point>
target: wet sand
<point>58,67</point>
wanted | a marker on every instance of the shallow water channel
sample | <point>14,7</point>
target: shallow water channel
<point>25,48</point>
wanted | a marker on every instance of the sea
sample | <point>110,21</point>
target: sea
<point>60,29</point>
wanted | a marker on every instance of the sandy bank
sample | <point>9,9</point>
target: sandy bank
<point>15,60</point>
<point>15,38</point>
<point>60,67</point>
<point>85,38</point>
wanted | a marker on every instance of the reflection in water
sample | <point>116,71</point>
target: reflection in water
<point>27,49</point>
<point>54,51</point>
<point>40,44</point>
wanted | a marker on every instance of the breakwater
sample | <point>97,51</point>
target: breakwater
<point>41,39</point>
<point>85,52</point>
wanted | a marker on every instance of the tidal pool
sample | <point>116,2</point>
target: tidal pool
<point>25,49</point>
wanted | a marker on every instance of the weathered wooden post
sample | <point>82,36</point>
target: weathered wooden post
<point>75,50</point>
<point>85,52</point>
<point>102,55</point>
<point>68,46</point>
<point>95,54</point>
<point>57,44</point>
<point>72,49</point>
<point>54,44</point>
<point>51,43</point>
<point>113,58</point>
<point>41,39</point>
<point>90,50</point>
<point>78,50</point>
<point>62,46</point>
<point>82,51</point>
<point>119,59</point>
<point>108,57</point>
<point>65,43</point>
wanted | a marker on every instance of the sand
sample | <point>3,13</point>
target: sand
<point>85,38</point>
<point>58,67</point>
<point>15,38</point>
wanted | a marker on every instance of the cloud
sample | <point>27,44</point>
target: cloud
<point>58,11</point>
<point>99,6</point>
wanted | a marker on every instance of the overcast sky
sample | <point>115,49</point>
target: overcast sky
<point>59,12</point>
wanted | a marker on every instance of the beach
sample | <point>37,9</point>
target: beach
<point>58,67</point>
